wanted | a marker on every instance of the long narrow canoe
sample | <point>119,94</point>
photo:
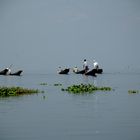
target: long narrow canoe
<point>80,72</point>
<point>98,71</point>
<point>18,73</point>
<point>91,73</point>
<point>65,71</point>
<point>4,72</point>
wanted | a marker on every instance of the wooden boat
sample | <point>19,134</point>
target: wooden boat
<point>4,72</point>
<point>80,72</point>
<point>91,73</point>
<point>18,73</point>
<point>98,71</point>
<point>65,71</point>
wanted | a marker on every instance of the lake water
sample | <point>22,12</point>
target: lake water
<point>112,115</point>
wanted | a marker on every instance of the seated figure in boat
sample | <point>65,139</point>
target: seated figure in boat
<point>75,69</point>
<point>59,70</point>
<point>8,71</point>
<point>95,65</point>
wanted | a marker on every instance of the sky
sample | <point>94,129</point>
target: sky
<point>41,35</point>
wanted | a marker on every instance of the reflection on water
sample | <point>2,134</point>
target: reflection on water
<point>60,115</point>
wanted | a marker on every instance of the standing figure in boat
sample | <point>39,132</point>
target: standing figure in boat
<point>85,65</point>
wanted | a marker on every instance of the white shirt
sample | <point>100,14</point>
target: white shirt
<point>85,64</point>
<point>75,69</point>
<point>95,64</point>
<point>9,71</point>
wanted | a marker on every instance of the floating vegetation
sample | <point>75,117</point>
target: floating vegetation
<point>44,97</point>
<point>133,91</point>
<point>85,88</point>
<point>43,84</point>
<point>15,91</point>
<point>58,84</point>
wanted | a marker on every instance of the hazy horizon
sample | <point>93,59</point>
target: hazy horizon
<point>43,35</point>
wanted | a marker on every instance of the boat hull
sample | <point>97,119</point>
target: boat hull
<point>80,72</point>
<point>18,73</point>
<point>3,72</point>
<point>65,71</point>
<point>91,73</point>
<point>98,71</point>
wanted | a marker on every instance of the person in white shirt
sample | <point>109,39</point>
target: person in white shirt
<point>95,65</point>
<point>75,69</point>
<point>59,69</point>
<point>85,65</point>
<point>8,71</point>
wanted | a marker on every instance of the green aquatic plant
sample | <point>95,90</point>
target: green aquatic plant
<point>43,84</point>
<point>133,91</point>
<point>15,91</point>
<point>85,88</point>
<point>58,84</point>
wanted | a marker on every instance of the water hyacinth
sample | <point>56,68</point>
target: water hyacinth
<point>85,88</point>
<point>15,91</point>
<point>133,91</point>
<point>58,84</point>
<point>43,84</point>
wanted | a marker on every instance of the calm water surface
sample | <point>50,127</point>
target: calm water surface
<point>111,115</point>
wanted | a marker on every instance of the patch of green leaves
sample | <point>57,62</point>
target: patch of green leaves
<point>15,91</point>
<point>85,88</point>
<point>133,91</point>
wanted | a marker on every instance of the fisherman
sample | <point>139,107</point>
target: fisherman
<point>75,69</point>
<point>8,71</point>
<point>59,69</point>
<point>95,65</point>
<point>85,65</point>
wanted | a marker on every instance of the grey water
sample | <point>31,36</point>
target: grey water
<point>55,114</point>
<point>41,35</point>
